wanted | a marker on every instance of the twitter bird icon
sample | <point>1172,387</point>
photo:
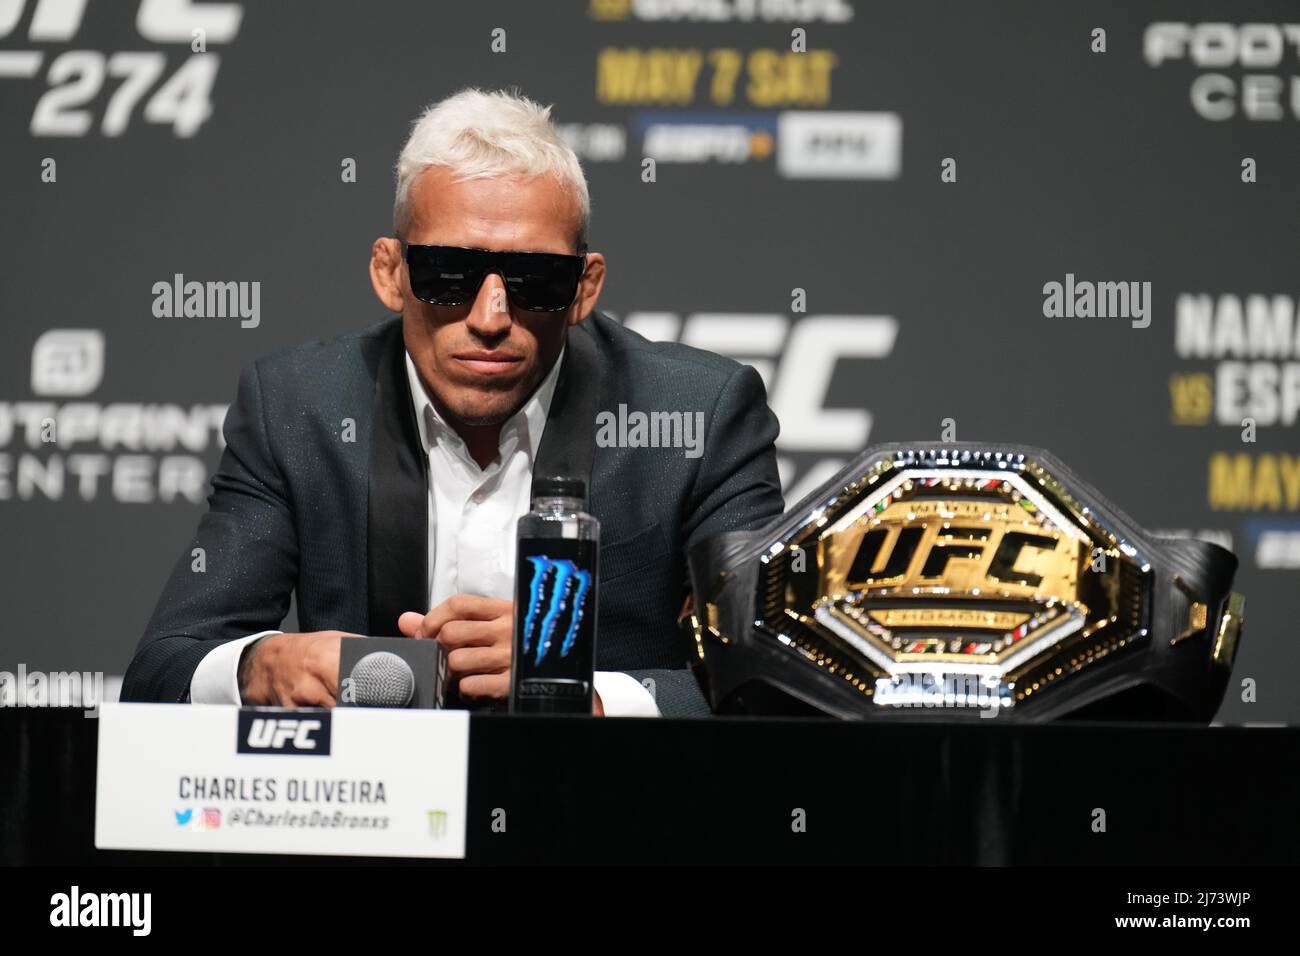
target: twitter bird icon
<point>183,817</point>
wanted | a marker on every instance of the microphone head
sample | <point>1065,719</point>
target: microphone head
<point>382,679</point>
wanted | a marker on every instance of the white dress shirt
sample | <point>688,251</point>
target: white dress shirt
<point>472,515</point>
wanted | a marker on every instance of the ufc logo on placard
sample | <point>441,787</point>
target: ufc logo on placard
<point>277,733</point>
<point>260,734</point>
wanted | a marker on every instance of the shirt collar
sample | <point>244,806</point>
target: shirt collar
<point>531,418</point>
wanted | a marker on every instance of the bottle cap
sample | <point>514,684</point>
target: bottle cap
<point>557,487</point>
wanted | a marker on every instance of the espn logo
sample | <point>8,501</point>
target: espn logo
<point>263,734</point>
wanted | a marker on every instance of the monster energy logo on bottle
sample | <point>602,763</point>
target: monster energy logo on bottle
<point>556,587</point>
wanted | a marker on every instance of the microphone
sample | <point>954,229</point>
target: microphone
<point>392,672</point>
<point>382,679</point>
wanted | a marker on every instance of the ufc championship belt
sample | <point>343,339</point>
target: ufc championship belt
<point>962,580</point>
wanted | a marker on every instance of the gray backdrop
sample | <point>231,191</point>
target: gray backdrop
<point>775,171</point>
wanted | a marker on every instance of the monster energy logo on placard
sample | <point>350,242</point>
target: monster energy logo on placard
<point>437,823</point>
<point>556,587</point>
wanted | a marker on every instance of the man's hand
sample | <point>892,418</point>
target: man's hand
<point>292,670</point>
<point>478,635</point>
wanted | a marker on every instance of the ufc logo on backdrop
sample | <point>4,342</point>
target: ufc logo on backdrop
<point>168,82</point>
<point>260,734</point>
<point>160,21</point>
<point>809,347</point>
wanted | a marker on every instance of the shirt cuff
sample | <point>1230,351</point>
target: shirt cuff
<point>216,679</point>
<point>622,695</point>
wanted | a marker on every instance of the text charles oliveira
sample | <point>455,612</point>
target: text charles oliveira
<point>293,790</point>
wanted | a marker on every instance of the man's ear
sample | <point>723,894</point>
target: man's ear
<point>589,288</point>
<point>386,273</point>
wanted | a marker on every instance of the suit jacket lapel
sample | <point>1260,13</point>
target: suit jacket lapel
<point>397,532</point>
<point>397,528</point>
<point>569,441</point>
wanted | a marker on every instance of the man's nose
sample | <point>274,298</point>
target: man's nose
<point>490,315</point>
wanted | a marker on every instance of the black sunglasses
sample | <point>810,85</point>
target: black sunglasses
<point>535,281</point>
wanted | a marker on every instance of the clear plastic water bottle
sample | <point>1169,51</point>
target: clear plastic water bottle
<point>556,572</point>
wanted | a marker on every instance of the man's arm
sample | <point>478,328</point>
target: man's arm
<point>240,583</point>
<point>737,486</point>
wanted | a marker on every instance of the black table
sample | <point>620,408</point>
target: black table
<point>726,790</point>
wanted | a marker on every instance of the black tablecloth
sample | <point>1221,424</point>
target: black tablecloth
<point>728,791</point>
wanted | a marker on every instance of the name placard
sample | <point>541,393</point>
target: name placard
<point>346,782</point>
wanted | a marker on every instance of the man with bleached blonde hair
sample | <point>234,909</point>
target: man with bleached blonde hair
<point>495,368</point>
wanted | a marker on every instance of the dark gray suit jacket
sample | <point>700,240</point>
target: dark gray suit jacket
<point>295,507</point>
